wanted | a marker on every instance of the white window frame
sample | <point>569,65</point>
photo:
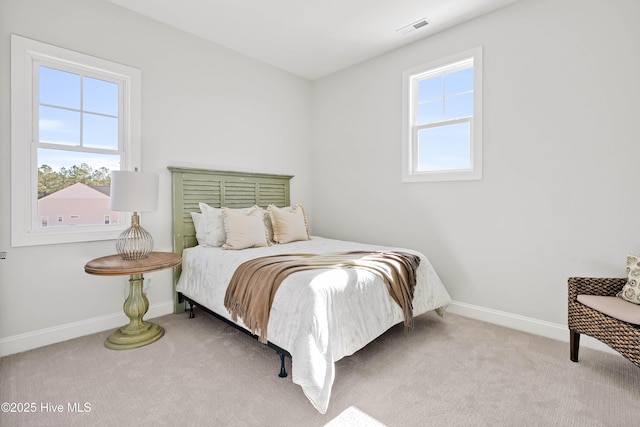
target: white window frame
<point>26,56</point>
<point>410,78</point>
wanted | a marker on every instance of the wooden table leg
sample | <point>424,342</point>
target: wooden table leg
<point>138,332</point>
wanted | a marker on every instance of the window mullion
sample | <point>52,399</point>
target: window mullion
<point>76,148</point>
<point>81,110</point>
<point>444,91</point>
<point>443,123</point>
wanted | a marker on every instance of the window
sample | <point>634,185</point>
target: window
<point>75,118</point>
<point>442,119</point>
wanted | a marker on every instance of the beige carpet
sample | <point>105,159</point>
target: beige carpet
<point>448,372</point>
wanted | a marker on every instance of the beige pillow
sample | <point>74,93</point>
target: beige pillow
<point>289,224</point>
<point>631,291</point>
<point>267,224</point>
<point>244,230</point>
<point>213,226</point>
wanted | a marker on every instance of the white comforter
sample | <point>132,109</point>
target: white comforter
<point>319,316</point>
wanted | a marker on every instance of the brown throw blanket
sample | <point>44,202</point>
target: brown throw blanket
<point>254,283</point>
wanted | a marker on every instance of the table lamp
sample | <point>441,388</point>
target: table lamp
<point>133,191</point>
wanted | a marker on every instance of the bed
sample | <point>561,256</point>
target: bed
<point>317,316</point>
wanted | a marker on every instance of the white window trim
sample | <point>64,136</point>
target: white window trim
<point>24,54</point>
<point>408,130</point>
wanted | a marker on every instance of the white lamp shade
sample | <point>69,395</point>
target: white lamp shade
<point>134,191</point>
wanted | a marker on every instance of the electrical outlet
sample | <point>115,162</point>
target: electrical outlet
<point>3,255</point>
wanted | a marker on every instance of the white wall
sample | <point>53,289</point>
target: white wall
<point>561,149</point>
<point>202,105</point>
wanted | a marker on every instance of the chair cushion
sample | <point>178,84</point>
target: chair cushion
<point>613,307</point>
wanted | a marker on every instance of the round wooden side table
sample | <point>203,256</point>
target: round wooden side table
<point>138,332</point>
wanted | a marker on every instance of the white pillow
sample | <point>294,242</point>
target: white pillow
<point>198,224</point>
<point>244,230</point>
<point>212,225</point>
<point>289,224</point>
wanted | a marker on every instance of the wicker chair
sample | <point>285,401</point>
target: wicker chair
<point>621,336</point>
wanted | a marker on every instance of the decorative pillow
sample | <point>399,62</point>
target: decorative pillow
<point>198,223</point>
<point>213,225</point>
<point>244,230</point>
<point>631,291</point>
<point>267,224</point>
<point>289,224</point>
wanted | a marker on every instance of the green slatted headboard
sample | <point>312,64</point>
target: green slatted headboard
<point>218,189</point>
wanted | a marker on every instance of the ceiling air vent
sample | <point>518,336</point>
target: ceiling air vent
<point>412,27</point>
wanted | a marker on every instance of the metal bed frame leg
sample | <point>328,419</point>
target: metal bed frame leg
<point>283,370</point>
<point>191,315</point>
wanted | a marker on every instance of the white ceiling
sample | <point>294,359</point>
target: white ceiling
<point>311,38</point>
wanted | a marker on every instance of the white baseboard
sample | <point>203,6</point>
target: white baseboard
<point>31,340</point>
<point>40,338</point>
<point>526,324</point>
